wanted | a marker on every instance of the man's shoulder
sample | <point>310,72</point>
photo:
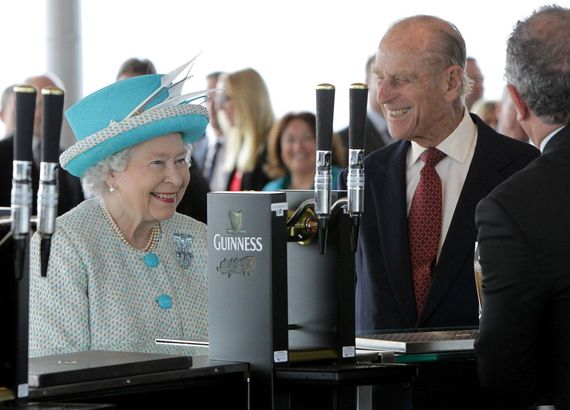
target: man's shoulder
<point>506,155</point>
<point>497,141</point>
<point>529,175</point>
<point>517,146</point>
<point>380,155</point>
<point>378,158</point>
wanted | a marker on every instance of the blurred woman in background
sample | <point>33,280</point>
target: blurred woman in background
<point>487,110</point>
<point>245,117</point>
<point>292,149</point>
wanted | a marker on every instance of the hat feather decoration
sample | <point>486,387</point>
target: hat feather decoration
<point>132,111</point>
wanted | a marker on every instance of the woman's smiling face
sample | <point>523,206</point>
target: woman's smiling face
<point>155,179</point>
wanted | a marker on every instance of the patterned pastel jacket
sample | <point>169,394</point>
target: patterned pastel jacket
<point>102,294</point>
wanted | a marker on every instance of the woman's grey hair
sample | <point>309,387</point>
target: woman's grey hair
<point>95,179</point>
<point>538,63</point>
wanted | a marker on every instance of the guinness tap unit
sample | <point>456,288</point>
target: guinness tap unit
<point>280,281</point>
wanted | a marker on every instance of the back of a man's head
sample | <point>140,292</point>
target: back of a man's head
<point>44,80</point>
<point>39,82</point>
<point>134,67</point>
<point>538,63</point>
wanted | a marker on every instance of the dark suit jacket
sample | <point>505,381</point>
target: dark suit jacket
<point>384,289</point>
<point>524,241</point>
<point>70,191</point>
<point>199,153</point>
<point>194,202</point>
<point>372,139</point>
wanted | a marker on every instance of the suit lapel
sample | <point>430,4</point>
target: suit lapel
<point>483,175</point>
<point>389,200</point>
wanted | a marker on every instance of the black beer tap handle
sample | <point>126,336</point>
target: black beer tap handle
<point>24,131</point>
<point>325,113</point>
<point>51,123</point>
<point>48,194</point>
<point>358,100</point>
<point>355,180</point>
<point>323,182</point>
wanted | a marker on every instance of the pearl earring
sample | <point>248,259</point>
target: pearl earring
<point>112,189</point>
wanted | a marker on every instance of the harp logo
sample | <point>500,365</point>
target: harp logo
<point>236,238</point>
<point>235,222</point>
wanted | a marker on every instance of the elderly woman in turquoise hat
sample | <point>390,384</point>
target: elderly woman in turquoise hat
<point>125,268</point>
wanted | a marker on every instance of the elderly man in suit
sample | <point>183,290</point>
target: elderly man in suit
<point>414,260</point>
<point>523,349</point>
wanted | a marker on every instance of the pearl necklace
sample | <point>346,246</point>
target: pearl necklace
<point>152,241</point>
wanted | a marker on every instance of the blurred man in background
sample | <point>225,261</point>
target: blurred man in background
<point>377,134</point>
<point>134,67</point>
<point>70,191</point>
<point>8,110</point>
<point>474,73</point>
<point>507,123</point>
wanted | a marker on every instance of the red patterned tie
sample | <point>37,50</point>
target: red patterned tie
<point>424,225</point>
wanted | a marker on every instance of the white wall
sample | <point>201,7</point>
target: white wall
<point>294,44</point>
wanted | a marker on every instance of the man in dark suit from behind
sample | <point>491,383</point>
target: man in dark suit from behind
<point>377,134</point>
<point>523,349</point>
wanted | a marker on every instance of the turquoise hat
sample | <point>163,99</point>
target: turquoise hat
<point>127,113</point>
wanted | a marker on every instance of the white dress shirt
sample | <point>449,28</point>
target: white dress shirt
<point>218,178</point>
<point>459,148</point>
<point>548,138</point>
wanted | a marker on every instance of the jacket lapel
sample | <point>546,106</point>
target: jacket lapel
<point>389,200</point>
<point>483,175</point>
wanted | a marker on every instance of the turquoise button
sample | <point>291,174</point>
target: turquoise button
<point>151,260</point>
<point>164,301</point>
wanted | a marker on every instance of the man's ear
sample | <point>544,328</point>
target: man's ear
<point>453,83</point>
<point>523,112</point>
